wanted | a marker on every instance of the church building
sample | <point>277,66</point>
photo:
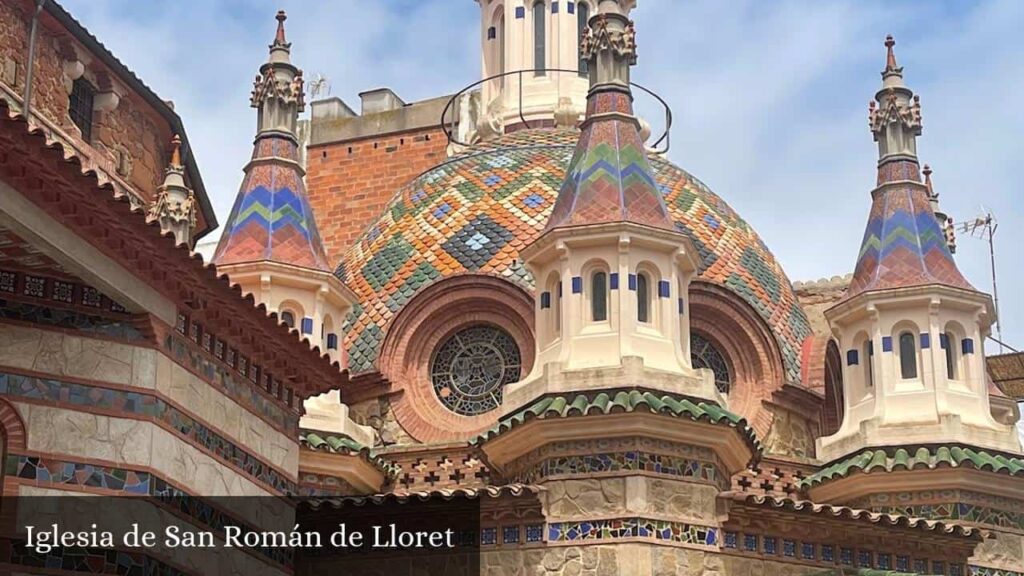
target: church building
<point>507,296</point>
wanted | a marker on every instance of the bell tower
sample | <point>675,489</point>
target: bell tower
<point>537,37</point>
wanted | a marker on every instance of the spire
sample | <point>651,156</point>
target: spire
<point>609,178</point>
<point>175,204</point>
<point>907,241</point>
<point>945,222</point>
<point>894,117</point>
<point>278,90</point>
<point>272,219</point>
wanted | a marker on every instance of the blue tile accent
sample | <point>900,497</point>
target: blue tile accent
<point>750,542</point>
<point>632,282</point>
<point>307,325</point>
<point>828,553</point>
<point>967,346</point>
<point>730,537</point>
<point>864,559</point>
<point>520,12</point>
<point>789,548</point>
<point>545,300</point>
<point>926,340</point>
<point>943,341</point>
<point>613,280</point>
<point>534,532</point>
<point>492,33</point>
<point>510,535</point>
<point>770,545</point>
<point>886,343</point>
<point>846,556</point>
<point>807,551</point>
<point>489,536</point>
<point>577,284</point>
<point>851,358</point>
<point>570,7</point>
<point>902,563</point>
<point>554,7</point>
<point>332,341</point>
<point>663,288</point>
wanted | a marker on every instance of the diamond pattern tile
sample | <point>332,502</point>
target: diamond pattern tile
<point>503,191</point>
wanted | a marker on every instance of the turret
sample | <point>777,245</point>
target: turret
<point>175,206</point>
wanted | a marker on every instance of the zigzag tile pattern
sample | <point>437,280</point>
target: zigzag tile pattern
<point>272,218</point>
<point>609,178</point>
<point>903,244</point>
<point>475,212</point>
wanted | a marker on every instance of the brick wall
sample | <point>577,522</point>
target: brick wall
<point>350,182</point>
<point>130,141</point>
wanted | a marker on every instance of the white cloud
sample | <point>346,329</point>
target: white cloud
<point>769,98</point>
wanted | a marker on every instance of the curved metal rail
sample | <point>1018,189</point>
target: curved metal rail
<point>448,127</point>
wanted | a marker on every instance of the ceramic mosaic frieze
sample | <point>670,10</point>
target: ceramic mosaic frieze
<point>619,528</point>
<point>624,462</point>
<point>16,386</point>
<point>478,210</point>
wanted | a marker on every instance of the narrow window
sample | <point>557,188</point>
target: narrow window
<point>557,295</point>
<point>288,318</point>
<point>80,106</point>
<point>869,364</point>
<point>501,48</point>
<point>642,299</point>
<point>908,356</point>
<point>599,297</point>
<point>951,363</point>
<point>539,59</point>
<point>582,15</point>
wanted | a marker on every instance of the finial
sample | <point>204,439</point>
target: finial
<point>176,151</point>
<point>890,58</point>
<point>281,17</point>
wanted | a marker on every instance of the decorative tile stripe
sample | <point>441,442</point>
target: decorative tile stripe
<point>271,411</point>
<point>631,461</point>
<point>147,405</point>
<point>958,511</point>
<point>45,315</point>
<point>320,485</point>
<point>131,483</point>
<point>662,530</point>
<point>830,554</point>
<point>985,571</point>
<point>84,560</point>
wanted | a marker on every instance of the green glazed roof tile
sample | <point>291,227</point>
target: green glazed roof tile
<point>872,460</point>
<point>623,401</point>
<point>341,444</point>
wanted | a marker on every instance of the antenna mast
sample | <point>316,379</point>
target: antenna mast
<point>984,227</point>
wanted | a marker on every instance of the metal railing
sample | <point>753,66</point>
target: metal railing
<point>449,126</point>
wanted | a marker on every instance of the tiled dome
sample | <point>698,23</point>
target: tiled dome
<point>475,212</point>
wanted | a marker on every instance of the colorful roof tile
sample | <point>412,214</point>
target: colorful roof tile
<point>609,178</point>
<point>272,219</point>
<point>904,244</point>
<point>580,404</point>
<point>921,458</point>
<point>475,212</point>
<point>401,497</point>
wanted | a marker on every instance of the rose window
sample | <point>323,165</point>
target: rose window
<point>471,368</point>
<point>703,354</point>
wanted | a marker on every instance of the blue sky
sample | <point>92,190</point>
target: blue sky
<point>769,99</point>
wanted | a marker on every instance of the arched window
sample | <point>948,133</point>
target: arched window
<point>288,318</point>
<point>908,356</point>
<point>471,368</point>
<point>704,354</point>
<point>539,38</point>
<point>951,343</point>
<point>582,15</point>
<point>643,298</point>
<point>599,297</point>
<point>868,350</point>
<point>501,46</point>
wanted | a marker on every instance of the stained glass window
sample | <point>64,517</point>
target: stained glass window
<point>703,354</point>
<point>471,368</point>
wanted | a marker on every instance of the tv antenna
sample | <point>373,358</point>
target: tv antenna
<point>320,86</point>
<point>984,227</point>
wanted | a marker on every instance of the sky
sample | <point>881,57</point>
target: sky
<point>769,99</point>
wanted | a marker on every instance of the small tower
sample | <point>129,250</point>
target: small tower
<point>912,328</point>
<point>537,37</point>
<point>175,205</point>
<point>613,395</point>
<point>944,220</point>
<point>271,246</point>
